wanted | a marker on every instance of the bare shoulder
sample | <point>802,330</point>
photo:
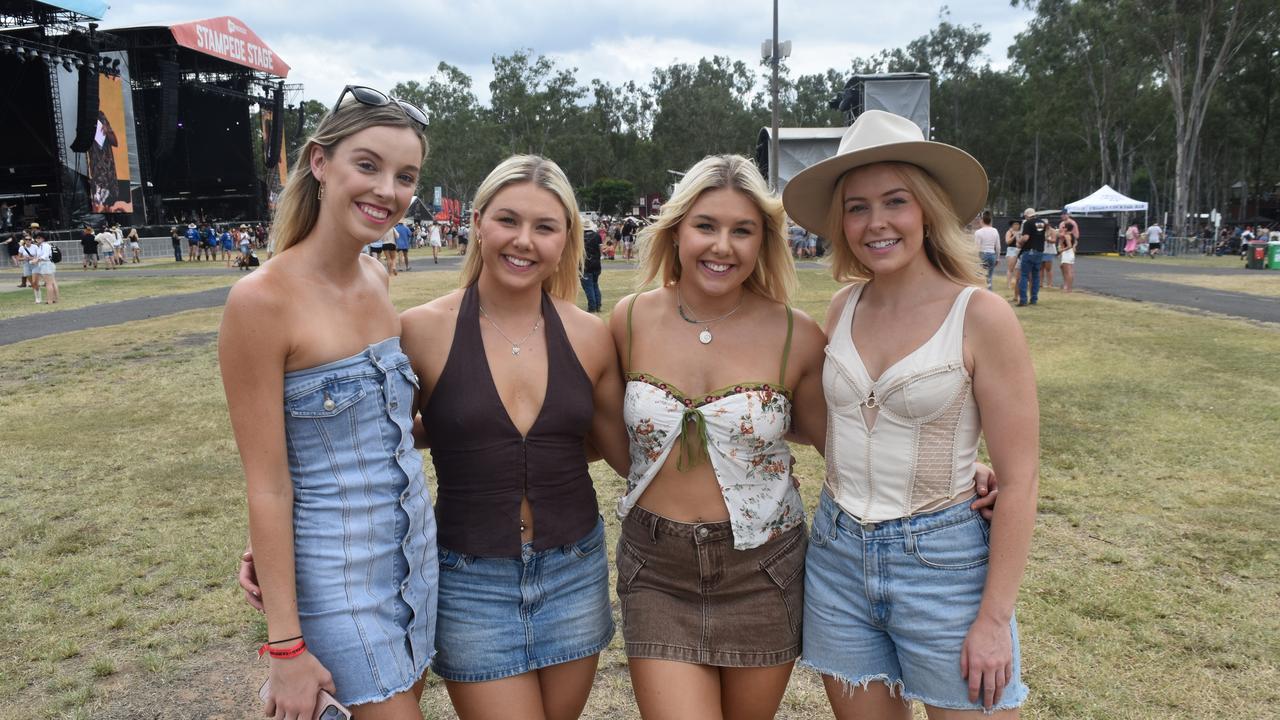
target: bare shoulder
<point>586,330</point>
<point>989,317</point>
<point>837,305</point>
<point>433,314</point>
<point>807,336</point>
<point>371,264</point>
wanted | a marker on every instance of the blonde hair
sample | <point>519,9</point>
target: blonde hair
<point>543,173</point>
<point>949,248</point>
<point>299,204</point>
<point>774,275</point>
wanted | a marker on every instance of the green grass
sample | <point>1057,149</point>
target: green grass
<point>1208,261</point>
<point>1152,590</point>
<point>82,290</point>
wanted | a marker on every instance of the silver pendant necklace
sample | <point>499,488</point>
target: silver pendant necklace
<point>705,336</point>
<point>515,346</point>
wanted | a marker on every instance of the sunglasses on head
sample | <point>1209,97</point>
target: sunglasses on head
<point>376,98</point>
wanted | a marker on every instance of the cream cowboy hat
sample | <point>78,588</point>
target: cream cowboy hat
<point>878,136</point>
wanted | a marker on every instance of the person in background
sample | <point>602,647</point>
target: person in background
<point>1131,239</point>
<point>117,244</point>
<point>106,247</point>
<point>1012,241</point>
<point>88,249</point>
<point>591,265</point>
<point>135,245</point>
<point>27,256</point>
<point>175,239</point>
<point>435,241</point>
<point>404,238</point>
<point>988,242</point>
<point>1050,253</point>
<point>1030,247</point>
<point>245,247</point>
<point>1155,238</point>
<point>1068,240</point>
<point>43,268</point>
<point>193,243</point>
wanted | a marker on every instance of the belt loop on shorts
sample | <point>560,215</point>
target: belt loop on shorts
<point>907,537</point>
<point>653,528</point>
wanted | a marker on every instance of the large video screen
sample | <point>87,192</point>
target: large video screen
<point>213,149</point>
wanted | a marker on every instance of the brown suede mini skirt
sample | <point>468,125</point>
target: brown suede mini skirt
<point>687,595</point>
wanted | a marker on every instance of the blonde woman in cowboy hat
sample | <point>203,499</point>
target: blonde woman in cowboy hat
<point>909,593</point>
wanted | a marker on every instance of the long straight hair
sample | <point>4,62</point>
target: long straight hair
<point>543,173</point>
<point>299,204</point>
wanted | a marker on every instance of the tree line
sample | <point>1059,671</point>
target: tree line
<point>1169,101</point>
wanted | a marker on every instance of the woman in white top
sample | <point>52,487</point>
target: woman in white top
<point>909,594</point>
<point>43,268</point>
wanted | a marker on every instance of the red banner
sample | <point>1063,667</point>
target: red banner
<point>230,39</point>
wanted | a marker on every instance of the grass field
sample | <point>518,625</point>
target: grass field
<point>1152,591</point>
<point>1208,261</point>
<point>1258,282</point>
<point>84,289</point>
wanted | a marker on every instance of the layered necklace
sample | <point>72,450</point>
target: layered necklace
<point>515,346</point>
<point>705,336</point>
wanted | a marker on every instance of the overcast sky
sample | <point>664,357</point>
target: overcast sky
<point>380,42</point>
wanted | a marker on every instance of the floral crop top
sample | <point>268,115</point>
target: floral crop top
<point>740,429</point>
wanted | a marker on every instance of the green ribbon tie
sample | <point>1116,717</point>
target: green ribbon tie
<point>692,450</point>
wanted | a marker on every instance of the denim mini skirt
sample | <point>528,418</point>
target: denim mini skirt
<point>891,602</point>
<point>364,534</point>
<point>506,616</point>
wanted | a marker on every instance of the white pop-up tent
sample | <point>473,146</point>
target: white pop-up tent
<point>1106,199</point>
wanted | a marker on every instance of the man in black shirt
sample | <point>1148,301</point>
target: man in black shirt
<point>89,248</point>
<point>1032,244</point>
<point>591,266</point>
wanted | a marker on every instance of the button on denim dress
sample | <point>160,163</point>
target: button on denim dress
<point>364,533</point>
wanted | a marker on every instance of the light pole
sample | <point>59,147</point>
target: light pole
<point>774,51</point>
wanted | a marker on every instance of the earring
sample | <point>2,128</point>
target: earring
<point>320,192</point>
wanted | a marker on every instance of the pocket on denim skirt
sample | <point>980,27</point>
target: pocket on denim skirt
<point>955,547</point>
<point>820,528</point>
<point>785,567</point>
<point>450,560</point>
<point>590,544</point>
<point>630,562</point>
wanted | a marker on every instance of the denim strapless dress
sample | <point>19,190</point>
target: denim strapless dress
<point>364,531</point>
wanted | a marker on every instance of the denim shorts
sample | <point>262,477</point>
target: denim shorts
<point>893,601</point>
<point>500,617</point>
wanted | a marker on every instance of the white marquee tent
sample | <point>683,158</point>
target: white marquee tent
<point>1106,199</point>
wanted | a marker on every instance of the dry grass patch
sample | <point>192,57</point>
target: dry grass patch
<point>1254,282</point>
<point>1152,590</point>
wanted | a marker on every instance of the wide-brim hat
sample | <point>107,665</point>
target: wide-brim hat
<point>879,136</point>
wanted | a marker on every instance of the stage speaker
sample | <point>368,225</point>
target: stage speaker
<point>167,133</point>
<point>905,94</point>
<point>86,110</point>
<point>277,128</point>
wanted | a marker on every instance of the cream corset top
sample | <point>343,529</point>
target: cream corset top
<point>905,442</point>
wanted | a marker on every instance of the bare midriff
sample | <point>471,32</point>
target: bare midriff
<point>691,496</point>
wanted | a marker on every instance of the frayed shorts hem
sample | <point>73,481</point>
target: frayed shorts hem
<point>714,658</point>
<point>524,667</point>
<point>898,689</point>
<point>419,673</point>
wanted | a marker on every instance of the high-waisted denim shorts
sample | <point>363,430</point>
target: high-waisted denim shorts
<point>893,601</point>
<point>688,596</point>
<point>500,617</point>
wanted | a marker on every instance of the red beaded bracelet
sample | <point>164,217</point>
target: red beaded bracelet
<point>283,653</point>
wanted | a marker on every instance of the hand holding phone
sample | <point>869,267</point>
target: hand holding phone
<point>327,708</point>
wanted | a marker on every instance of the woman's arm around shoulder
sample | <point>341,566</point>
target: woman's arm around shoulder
<point>809,406</point>
<point>594,346</point>
<point>1004,387</point>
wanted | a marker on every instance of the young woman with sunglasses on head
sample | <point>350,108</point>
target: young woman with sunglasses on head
<point>909,594</point>
<point>321,400</point>
<point>516,382</point>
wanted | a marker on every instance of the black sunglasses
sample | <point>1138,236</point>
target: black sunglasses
<point>376,98</point>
